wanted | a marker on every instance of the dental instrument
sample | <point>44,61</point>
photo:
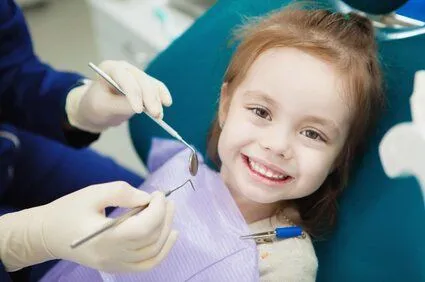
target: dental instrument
<point>193,159</point>
<point>278,233</point>
<point>122,218</point>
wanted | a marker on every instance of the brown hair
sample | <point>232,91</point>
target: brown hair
<point>348,43</point>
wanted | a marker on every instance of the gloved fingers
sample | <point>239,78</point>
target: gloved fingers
<point>149,251</point>
<point>149,90</point>
<point>139,237</point>
<point>128,83</point>
<point>146,223</point>
<point>118,194</point>
<point>118,71</point>
<point>121,108</point>
<point>147,264</point>
<point>157,238</point>
<point>150,95</point>
<point>164,93</point>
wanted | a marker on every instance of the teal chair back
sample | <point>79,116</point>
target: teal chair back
<point>380,236</point>
<point>381,233</point>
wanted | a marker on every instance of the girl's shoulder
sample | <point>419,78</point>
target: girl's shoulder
<point>292,259</point>
<point>299,246</point>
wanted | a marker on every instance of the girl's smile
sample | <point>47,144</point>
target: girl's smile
<point>282,135</point>
<point>266,173</point>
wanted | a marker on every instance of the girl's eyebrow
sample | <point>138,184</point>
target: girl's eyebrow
<point>258,94</point>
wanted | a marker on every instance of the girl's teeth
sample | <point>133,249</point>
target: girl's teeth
<point>264,171</point>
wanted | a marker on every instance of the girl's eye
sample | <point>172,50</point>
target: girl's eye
<point>261,112</point>
<point>312,135</point>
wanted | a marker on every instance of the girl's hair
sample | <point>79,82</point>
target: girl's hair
<point>347,42</point>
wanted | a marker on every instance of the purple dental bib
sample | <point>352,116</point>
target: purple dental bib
<point>209,223</point>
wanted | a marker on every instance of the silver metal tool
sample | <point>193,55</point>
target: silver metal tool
<point>122,218</point>
<point>193,159</point>
<point>279,233</point>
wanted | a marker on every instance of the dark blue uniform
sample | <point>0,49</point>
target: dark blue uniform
<point>39,156</point>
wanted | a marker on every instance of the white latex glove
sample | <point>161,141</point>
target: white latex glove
<point>46,232</point>
<point>96,106</point>
<point>417,101</point>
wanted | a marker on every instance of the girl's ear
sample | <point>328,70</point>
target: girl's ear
<point>223,105</point>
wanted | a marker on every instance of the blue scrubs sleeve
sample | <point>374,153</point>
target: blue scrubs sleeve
<point>32,94</point>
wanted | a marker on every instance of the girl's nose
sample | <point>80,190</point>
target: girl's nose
<point>277,142</point>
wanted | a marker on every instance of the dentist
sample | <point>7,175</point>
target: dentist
<point>53,190</point>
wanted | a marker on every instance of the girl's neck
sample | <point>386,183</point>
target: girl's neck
<point>253,211</point>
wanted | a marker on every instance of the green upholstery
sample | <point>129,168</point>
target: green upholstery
<point>381,235</point>
<point>381,232</point>
<point>376,7</point>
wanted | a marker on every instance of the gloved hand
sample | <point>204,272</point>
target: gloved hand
<point>46,232</point>
<point>96,106</point>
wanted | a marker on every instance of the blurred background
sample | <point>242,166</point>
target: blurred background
<point>69,34</point>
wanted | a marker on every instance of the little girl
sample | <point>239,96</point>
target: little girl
<point>298,98</point>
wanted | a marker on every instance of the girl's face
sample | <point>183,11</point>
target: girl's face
<point>285,126</point>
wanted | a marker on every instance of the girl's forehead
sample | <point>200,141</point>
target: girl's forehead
<point>289,70</point>
<point>294,69</point>
<point>293,80</point>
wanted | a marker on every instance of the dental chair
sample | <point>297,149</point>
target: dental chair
<point>381,230</point>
